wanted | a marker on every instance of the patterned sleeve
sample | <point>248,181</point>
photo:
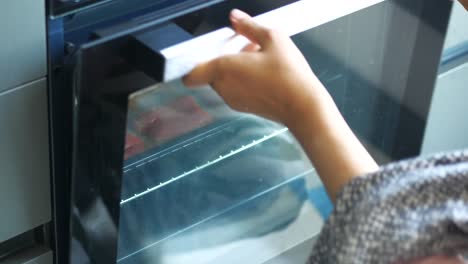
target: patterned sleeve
<point>406,210</point>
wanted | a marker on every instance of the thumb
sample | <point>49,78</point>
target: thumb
<point>246,26</point>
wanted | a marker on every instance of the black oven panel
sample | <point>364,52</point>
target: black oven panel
<point>66,6</point>
<point>60,8</point>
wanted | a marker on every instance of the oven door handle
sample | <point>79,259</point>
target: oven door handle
<point>291,19</point>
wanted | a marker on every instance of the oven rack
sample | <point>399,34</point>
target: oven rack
<point>206,165</point>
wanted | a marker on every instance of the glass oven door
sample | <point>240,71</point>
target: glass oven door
<point>60,8</point>
<point>166,174</point>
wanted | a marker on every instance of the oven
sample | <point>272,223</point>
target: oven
<point>146,170</point>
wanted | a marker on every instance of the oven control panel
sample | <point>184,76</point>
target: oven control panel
<point>63,7</point>
<point>59,8</point>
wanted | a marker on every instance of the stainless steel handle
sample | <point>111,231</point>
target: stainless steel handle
<point>290,19</point>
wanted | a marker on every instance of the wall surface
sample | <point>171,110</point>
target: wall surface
<point>447,127</point>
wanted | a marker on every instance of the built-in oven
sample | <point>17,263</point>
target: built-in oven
<point>149,171</point>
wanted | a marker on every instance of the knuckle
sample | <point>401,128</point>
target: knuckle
<point>221,69</point>
<point>225,62</point>
<point>271,34</point>
<point>216,64</point>
<point>235,105</point>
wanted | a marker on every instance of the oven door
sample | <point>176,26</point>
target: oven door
<point>166,174</point>
<point>61,8</point>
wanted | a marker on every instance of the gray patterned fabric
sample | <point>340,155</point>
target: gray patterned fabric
<point>407,210</point>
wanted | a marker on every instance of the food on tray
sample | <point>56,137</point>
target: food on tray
<point>167,122</point>
<point>133,145</point>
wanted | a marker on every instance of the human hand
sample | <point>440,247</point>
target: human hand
<point>464,3</point>
<point>270,77</point>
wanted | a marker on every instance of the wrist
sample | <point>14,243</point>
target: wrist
<point>313,107</point>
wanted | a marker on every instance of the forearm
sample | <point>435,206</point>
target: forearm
<point>274,80</point>
<point>335,151</point>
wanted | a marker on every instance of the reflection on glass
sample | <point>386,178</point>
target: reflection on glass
<point>199,177</point>
<point>203,183</point>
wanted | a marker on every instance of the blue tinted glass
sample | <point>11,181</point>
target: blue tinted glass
<point>194,181</point>
<point>200,178</point>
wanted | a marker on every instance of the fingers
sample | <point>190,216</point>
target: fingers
<point>465,4</point>
<point>204,73</point>
<point>246,26</point>
<point>208,72</point>
<point>252,47</point>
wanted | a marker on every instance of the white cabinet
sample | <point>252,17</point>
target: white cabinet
<point>23,42</point>
<point>24,159</point>
<point>38,255</point>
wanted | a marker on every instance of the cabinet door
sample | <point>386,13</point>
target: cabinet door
<point>45,258</point>
<point>24,159</point>
<point>23,45</point>
<point>42,259</point>
<point>37,255</point>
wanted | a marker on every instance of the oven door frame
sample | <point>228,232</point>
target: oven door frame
<point>58,10</point>
<point>99,120</point>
